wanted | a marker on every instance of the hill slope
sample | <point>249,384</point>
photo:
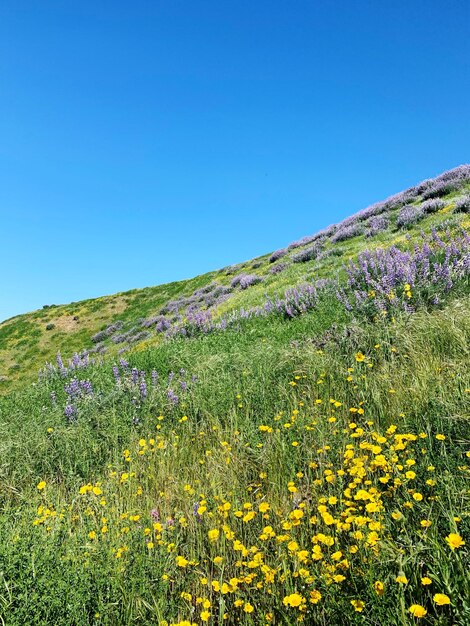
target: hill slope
<point>142,316</point>
<point>279,442</point>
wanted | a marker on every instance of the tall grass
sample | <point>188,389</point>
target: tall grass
<point>136,515</point>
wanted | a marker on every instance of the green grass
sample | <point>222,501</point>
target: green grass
<point>295,420</point>
<point>243,383</point>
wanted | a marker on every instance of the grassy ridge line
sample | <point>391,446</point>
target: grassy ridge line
<point>26,344</point>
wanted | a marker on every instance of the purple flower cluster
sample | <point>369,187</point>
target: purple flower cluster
<point>78,361</point>
<point>296,301</point>
<point>278,254</point>
<point>153,321</point>
<point>440,188</point>
<point>276,269</point>
<point>76,391</point>
<point>129,382</point>
<point>347,231</point>
<point>384,280</point>
<point>192,308</point>
<point>140,387</point>
<point>304,241</point>
<point>432,205</point>
<point>462,205</point>
<point>70,412</point>
<point>245,280</point>
<point>432,188</point>
<point>444,183</point>
<point>172,397</point>
<point>142,336</point>
<point>203,298</point>
<point>309,254</point>
<point>410,215</point>
<point>107,332</point>
<point>376,225</point>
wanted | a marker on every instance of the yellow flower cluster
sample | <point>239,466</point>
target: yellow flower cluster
<point>350,495</point>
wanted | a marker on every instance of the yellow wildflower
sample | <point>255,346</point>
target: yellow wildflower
<point>315,596</point>
<point>455,541</point>
<point>379,587</point>
<point>293,600</point>
<point>417,610</point>
<point>441,599</point>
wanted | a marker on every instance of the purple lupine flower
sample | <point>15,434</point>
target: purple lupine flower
<point>305,240</point>
<point>196,513</point>
<point>432,205</point>
<point>154,378</point>
<point>143,389</point>
<point>53,398</point>
<point>135,375</point>
<point>409,215</point>
<point>86,387</point>
<point>116,374</point>
<point>278,254</point>
<point>162,325</point>
<point>377,225</point>
<point>308,254</point>
<point>377,280</point>
<point>347,231</point>
<point>72,389</point>
<point>440,188</point>
<point>172,397</point>
<point>245,280</point>
<point>60,365</point>
<point>70,412</point>
<point>462,205</point>
<point>99,336</point>
<point>276,269</point>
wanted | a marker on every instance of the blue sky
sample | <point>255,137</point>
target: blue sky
<point>144,142</point>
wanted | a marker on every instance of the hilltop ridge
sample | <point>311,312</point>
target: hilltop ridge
<point>139,317</point>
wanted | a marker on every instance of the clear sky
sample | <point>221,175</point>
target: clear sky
<point>144,142</point>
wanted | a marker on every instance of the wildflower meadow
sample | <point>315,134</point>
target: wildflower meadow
<point>257,446</point>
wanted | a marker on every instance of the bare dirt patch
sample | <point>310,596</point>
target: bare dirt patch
<point>66,323</point>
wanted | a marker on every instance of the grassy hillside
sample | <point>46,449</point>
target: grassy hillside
<point>283,441</point>
<point>28,341</point>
